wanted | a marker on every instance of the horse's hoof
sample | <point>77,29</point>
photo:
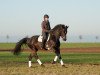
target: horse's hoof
<point>42,65</point>
<point>63,65</point>
<point>30,66</point>
<point>53,62</point>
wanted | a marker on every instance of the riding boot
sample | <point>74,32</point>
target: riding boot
<point>43,44</point>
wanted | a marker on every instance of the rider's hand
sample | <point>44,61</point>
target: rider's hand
<point>48,31</point>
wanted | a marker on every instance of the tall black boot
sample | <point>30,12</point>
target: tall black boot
<point>43,44</point>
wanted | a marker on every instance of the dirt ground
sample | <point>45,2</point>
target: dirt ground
<point>82,50</point>
<point>68,50</point>
<point>49,69</point>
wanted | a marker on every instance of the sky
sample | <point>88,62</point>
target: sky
<point>24,17</point>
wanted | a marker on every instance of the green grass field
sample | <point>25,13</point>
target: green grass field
<point>67,57</point>
<point>63,45</point>
<point>91,58</point>
<point>7,45</point>
<point>79,45</point>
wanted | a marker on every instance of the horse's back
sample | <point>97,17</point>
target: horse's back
<point>35,36</point>
<point>32,39</point>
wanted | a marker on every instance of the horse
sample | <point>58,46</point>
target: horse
<point>53,43</point>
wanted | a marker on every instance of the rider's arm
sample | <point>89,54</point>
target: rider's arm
<point>49,26</point>
<point>43,26</point>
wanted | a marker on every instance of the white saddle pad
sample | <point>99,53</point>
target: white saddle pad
<point>41,37</point>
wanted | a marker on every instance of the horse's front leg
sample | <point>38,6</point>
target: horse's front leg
<point>55,59</point>
<point>58,55</point>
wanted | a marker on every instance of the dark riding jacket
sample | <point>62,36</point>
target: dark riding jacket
<point>45,26</point>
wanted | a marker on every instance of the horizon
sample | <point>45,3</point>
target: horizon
<point>70,39</point>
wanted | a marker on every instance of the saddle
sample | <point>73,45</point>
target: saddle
<point>41,37</point>
<point>40,40</point>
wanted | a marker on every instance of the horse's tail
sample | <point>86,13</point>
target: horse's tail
<point>17,48</point>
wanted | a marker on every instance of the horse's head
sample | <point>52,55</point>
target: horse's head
<point>60,30</point>
<point>63,32</point>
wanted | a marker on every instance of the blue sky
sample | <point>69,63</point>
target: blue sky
<point>24,17</point>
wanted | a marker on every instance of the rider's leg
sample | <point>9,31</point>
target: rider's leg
<point>44,40</point>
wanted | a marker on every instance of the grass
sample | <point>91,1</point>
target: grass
<point>79,45</point>
<point>91,58</point>
<point>63,45</point>
<point>76,64</point>
<point>7,45</point>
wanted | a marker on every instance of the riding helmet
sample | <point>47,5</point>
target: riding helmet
<point>46,16</point>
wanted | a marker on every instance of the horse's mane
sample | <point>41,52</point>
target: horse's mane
<point>58,26</point>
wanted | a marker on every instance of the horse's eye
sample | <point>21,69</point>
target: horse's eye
<point>65,32</point>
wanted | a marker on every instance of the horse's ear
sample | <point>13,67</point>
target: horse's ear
<point>67,26</point>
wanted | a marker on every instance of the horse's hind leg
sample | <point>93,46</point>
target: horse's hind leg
<point>55,59</point>
<point>37,58</point>
<point>34,54</point>
<point>30,58</point>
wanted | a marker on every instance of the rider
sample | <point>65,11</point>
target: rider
<point>45,30</point>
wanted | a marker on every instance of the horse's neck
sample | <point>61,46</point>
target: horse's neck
<point>55,33</point>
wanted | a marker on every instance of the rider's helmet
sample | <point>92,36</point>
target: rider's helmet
<point>46,16</point>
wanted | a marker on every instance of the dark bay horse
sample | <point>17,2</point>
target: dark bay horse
<point>53,43</point>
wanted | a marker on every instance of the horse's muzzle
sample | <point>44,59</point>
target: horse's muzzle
<point>64,38</point>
